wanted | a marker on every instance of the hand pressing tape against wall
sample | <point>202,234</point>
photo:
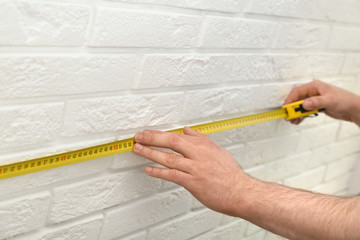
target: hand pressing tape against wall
<point>289,112</point>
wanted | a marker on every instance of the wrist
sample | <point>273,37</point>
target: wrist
<point>246,191</point>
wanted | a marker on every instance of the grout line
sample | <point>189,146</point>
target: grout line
<point>86,50</point>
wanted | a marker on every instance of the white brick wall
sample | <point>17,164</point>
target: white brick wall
<point>78,73</point>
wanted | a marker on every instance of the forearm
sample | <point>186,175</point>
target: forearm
<point>355,117</point>
<point>297,214</point>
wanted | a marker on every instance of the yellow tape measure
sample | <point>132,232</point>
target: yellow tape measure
<point>289,111</point>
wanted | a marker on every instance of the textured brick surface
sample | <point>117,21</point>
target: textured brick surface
<point>63,75</point>
<point>292,8</point>
<point>116,27</point>
<point>27,125</point>
<point>83,197</point>
<point>345,38</point>
<point>120,113</point>
<point>221,32</point>
<point>302,36</point>
<point>225,5</point>
<point>308,179</point>
<point>84,229</point>
<point>31,24</point>
<point>184,70</point>
<point>20,215</point>
<point>120,221</point>
<point>79,73</point>
<point>186,226</point>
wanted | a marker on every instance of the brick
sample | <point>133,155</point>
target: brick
<point>223,6</point>
<point>290,165</point>
<point>345,38</point>
<point>196,204</point>
<point>307,65</point>
<point>299,35</point>
<point>184,70</point>
<point>226,219</point>
<point>35,180</point>
<point>260,152</point>
<point>307,180</point>
<point>129,159</point>
<point>23,214</point>
<point>341,167</point>
<point>334,186</point>
<point>29,125</point>
<point>291,8</point>
<point>255,67</point>
<point>272,95</point>
<point>232,231</point>
<point>219,101</point>
<point>352,63</point>
<point>256,236</point>
<point>124,28</point>
<point>140,214</point>
<point>43,23</point>
<point>252,228</point>
<point>88,229</point>
<point>223,32</point>
<point>313,138</point>
<point>348,129</point>
<point>245,134</point>
<point>354,187</point>
<point>330,64</point>
<point>79,74</point>
<point>272,236</point>
<point>87,196</point>
<point>120,113</point>
<point>284,66</point>
<point>337,150</point>
<point>343,11</point>
<point>186,226</point>
<point>345,82</point>
<point>285,127</point>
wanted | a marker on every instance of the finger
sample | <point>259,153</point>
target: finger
<point>154,131</point>
<point>186,137</point>
<point>317,102</point>
<point>302,92</point>
<point>171,175</point>
<point>173,141</point>
<point>192,132</point>
<point>297,121</point>
<point>168,160</point>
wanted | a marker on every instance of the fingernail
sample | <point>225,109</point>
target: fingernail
<point>138,136</point>
<point>138,147</point>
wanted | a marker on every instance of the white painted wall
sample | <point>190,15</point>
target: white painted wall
<point>77,73</point>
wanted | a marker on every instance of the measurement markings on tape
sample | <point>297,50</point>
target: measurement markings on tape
<point>289,111</point>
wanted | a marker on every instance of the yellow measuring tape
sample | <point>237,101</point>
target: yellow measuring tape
<point>289,111</point>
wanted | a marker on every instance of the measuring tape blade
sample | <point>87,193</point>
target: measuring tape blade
<point>290,111</point>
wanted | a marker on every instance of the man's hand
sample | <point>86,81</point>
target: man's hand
<point>338,103</point>
<point>205,169</point>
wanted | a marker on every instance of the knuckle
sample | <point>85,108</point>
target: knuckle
<point>149,137</point>
<point>173,174</point>
<point>174,140</point>
<point>170,159</point>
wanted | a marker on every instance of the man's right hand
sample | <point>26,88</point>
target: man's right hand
<point>338,103</point>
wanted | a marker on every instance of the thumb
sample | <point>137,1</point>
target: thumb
<point>317,102</point>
